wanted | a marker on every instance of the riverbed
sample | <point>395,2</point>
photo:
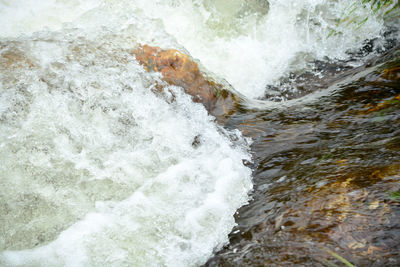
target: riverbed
<point>99,168</point>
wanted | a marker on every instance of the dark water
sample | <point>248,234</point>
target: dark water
<point>326,175</point>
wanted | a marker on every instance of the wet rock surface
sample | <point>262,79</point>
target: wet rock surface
<point>180,69</point>
<point>322,74</point>
<point>327,177</point>
<point>326,174</point>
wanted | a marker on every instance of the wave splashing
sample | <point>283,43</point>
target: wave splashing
<point>250,43</point>
<point>100,168</point>
<point>253,44</point>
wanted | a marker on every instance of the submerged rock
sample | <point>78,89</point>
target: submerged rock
<point>179,69</point>
<point>327,177</point>
<point>12,57</point>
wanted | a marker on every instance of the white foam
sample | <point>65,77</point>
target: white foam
<point>249,43</point>
<point>98,169</point>
<point>261,51</point>
<point>27,16</point>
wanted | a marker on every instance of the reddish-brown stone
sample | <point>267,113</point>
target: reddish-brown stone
<point>179,69</point>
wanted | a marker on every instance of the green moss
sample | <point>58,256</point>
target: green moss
<point>395,195</point>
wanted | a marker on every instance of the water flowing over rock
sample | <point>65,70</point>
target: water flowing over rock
<point>180,69</point>
<point>327,177</point>
<point>98,168</point>
<point>186,132</point>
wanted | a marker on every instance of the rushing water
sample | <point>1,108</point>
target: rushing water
<point>326,175</point>
<point>99,168</point>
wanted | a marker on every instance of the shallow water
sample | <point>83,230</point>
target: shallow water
<point>325,177</point>
<point>98,167</point>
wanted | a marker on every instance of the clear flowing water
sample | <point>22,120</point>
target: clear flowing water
<point>97,168</point>
<point>326,175</point>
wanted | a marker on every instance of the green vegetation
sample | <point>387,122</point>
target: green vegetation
<point>387,5</point>
<point>340,258</point>
<point>395,195</point>
<point>388,9</point>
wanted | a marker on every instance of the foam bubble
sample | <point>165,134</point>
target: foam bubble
<point>251,44</point>
<point>98,167</point>
<point>259,47</point>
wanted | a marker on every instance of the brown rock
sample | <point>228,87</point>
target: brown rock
<point>179,69</point>
<point>13,58</point>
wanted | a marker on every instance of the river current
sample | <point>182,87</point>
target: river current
<point>97,168</point>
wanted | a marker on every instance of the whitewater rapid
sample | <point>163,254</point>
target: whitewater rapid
<point>98,167</point>
<point>251,44</point>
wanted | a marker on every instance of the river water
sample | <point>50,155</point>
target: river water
<point>98,169</point>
